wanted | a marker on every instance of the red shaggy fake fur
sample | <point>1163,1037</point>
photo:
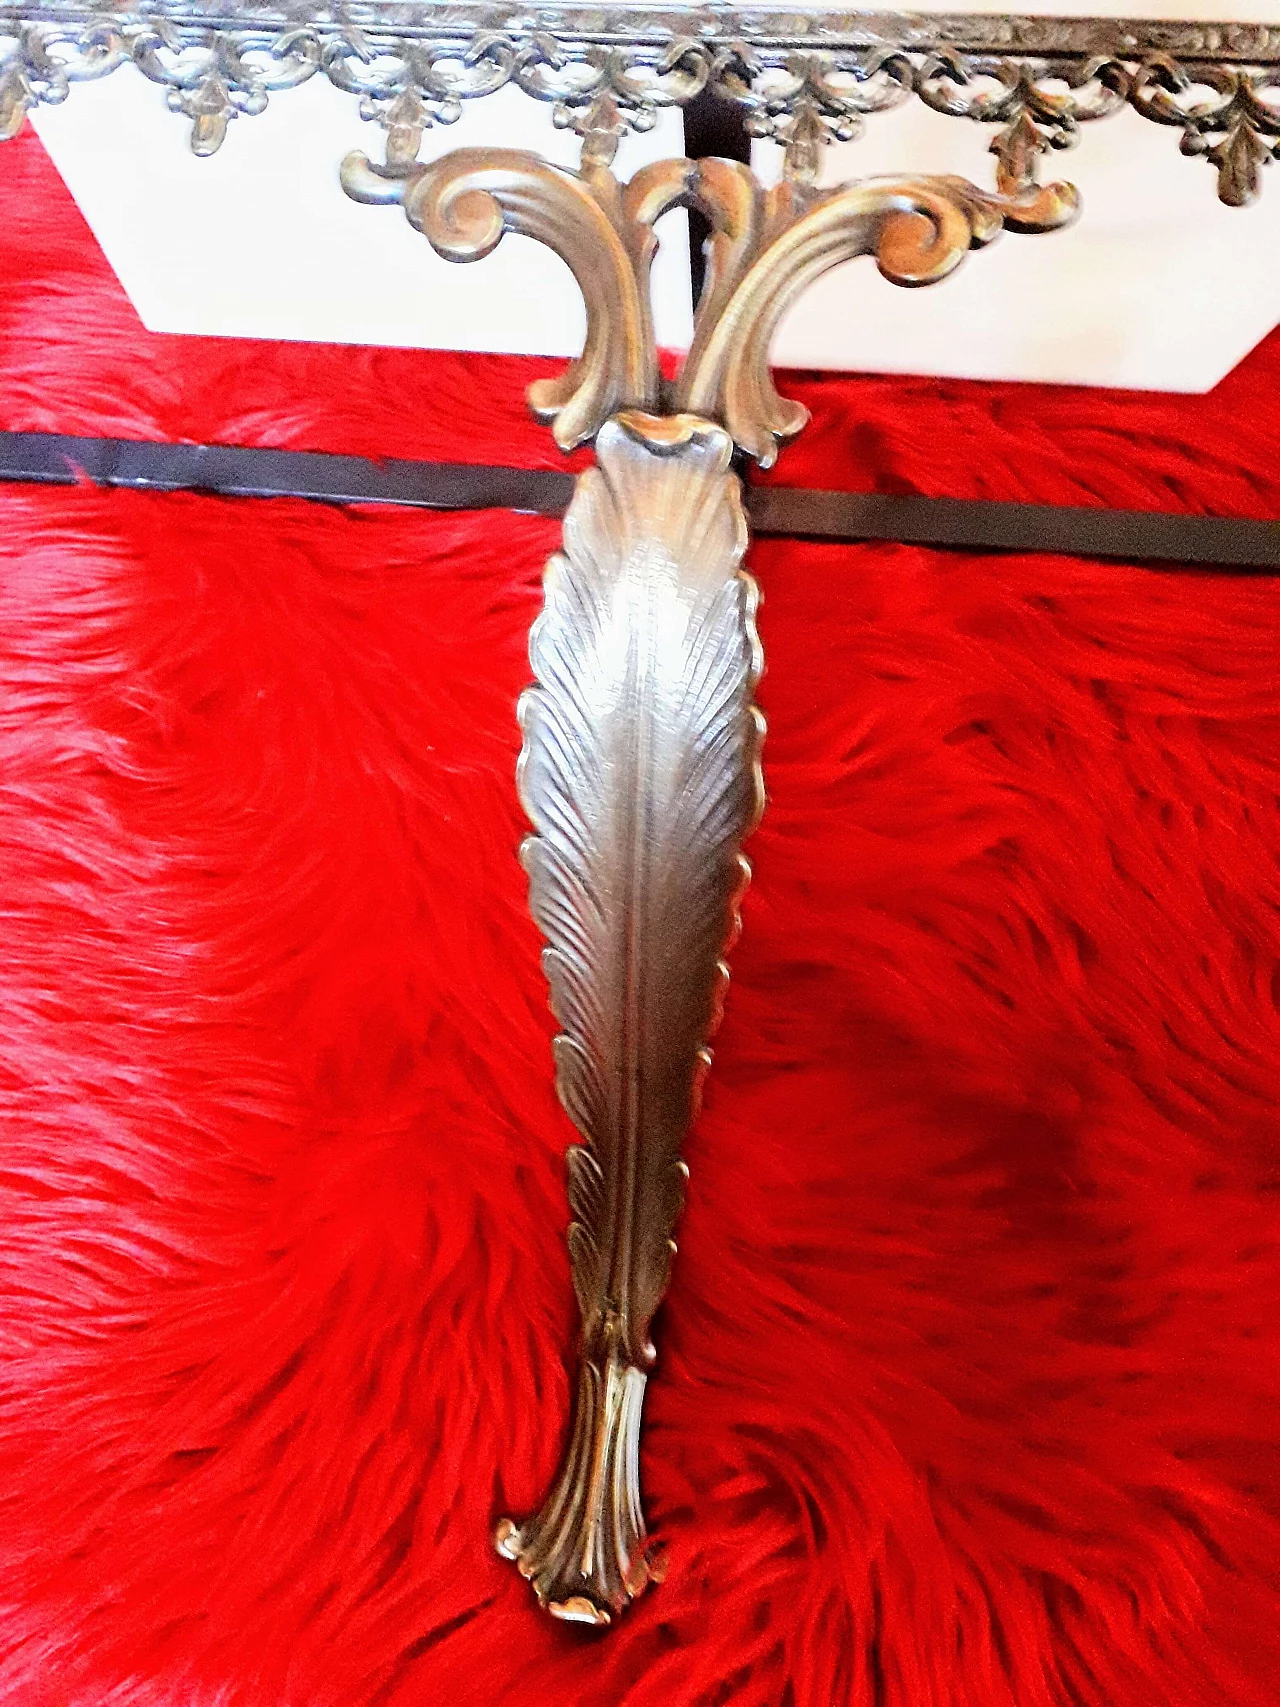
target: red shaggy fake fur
<point>969,1380</point>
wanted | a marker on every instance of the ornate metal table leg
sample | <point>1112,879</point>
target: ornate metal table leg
<point>641,763</point>
<point>641,775</point>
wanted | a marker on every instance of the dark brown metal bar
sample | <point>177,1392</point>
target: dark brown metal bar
<point>1138,536</point>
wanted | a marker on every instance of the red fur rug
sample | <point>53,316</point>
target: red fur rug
<point>968,1381</point>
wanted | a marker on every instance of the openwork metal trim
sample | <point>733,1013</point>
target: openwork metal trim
<point>803,79</point>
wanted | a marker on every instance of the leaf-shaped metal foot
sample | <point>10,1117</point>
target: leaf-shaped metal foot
<point>586,1553</point>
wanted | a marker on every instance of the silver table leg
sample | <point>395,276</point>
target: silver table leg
<point>641,764</point>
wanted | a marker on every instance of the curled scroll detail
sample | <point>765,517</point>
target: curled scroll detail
<point>766,248</point>
<point>464,203</point>
<point>919,230</point>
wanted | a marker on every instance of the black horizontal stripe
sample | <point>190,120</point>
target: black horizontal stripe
<point>985,525</point>
<point>976,525</point>
<point>238,471</point>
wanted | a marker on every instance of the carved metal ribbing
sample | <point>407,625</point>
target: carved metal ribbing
<point>802,79</point>
<point>641,775</point>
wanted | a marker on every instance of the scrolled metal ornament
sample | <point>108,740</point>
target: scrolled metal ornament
<point>1224,114</point>
<point>40,63</point>
<point>409,87</point>
<point>465,201</point>
<point>640,770</point>
<point>1039,104</point>
<point>575,78</point>
<point>802,100</point>
<point>215,76</point>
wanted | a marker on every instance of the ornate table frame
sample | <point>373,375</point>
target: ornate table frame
<point>640,771</point>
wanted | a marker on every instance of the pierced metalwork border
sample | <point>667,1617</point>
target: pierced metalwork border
<point>802,79</point>
<point>629,24</point>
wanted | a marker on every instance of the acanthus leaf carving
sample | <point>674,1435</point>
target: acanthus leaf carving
<point>640,775</point>
<point>640,770</point>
